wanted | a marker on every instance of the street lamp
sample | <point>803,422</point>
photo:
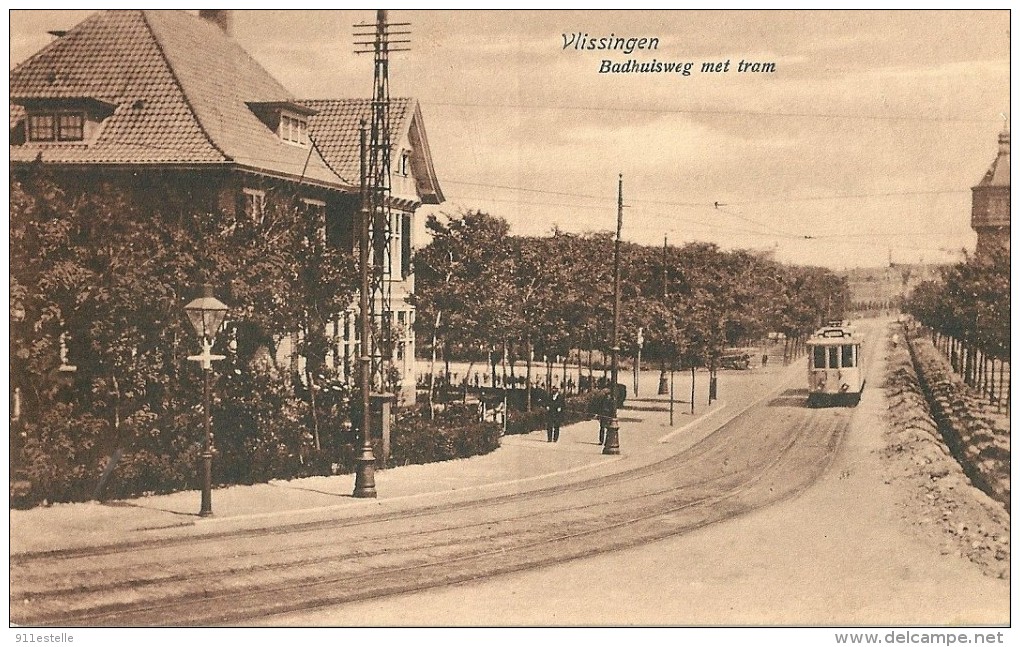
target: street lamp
<point>612,445</point>
<point>637,365</point>
<point>206,314</point>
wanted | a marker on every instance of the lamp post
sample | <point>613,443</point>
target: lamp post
<point>206,314</point>
<point>612,445</point>
<point>663,388</point>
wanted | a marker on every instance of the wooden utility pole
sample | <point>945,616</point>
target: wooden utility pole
<point>364,478</point>
<point>612,445</point>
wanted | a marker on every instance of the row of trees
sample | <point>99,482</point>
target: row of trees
<point>100,272</point>
<point>479,288</point>
<point>967,310</point>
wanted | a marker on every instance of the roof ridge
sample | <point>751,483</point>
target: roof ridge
<point>180,86</point>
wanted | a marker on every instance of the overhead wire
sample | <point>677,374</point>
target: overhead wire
<point>704,111</point>
<point>724,208</point>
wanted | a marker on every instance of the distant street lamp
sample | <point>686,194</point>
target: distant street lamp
<point>637,364</point>
<point>206,314</point>
<point>612,445</point>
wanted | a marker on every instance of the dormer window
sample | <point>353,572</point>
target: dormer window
<point>288,119</point>
<point>294,130</point>
<point>63,119</point>
<point>56,127</point>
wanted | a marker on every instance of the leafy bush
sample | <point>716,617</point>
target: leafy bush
<point>58,456</point>
<point>156,458</point>
<point>577,408</point>
<point>455,433</point>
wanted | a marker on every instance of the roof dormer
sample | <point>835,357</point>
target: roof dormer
<point>288,119</point>
<point>61,120</point>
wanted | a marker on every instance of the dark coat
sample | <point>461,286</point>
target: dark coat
<point>554,407</point>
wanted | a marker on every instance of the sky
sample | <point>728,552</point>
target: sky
<point>862,145</point>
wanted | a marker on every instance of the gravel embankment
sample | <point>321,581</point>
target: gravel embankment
<point>937,496</point>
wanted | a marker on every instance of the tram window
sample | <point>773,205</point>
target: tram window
<point>819,356</point>
<point>848,356</point>
<point>833,356</point>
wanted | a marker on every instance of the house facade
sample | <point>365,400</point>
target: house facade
<point>146,99</point>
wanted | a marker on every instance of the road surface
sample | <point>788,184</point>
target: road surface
<point>311,572</point>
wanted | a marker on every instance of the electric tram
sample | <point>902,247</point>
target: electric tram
<point>835,371</point>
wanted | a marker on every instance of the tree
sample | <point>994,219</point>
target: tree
<point>463,283</point>
<point>99,278</point>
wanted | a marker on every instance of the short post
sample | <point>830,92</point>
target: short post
<point>380,425</point>
<point>692,390</point>
<point>671,396</point>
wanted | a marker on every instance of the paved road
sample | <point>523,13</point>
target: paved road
<point>767,452</point>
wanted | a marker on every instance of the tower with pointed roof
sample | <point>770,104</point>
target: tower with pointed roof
<point>990,201</point>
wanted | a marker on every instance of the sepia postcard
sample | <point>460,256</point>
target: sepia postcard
<point>684,319</point>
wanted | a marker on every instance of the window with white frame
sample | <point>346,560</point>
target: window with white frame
<point>396,247</point>
<point>254,205</point>
<point>348,341</point>
<point>315,211</point>
<point>293,130</point>
<point>62,126</point>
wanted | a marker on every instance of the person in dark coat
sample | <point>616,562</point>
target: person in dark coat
<point>602,408</point>
<point>555,415</point>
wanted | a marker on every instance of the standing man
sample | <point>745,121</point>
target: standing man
<point>604,406</point>
<point>555,414</point>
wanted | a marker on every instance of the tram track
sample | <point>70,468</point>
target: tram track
<point>697,452</point>
<point>464,560</point>
<point>229,577</point>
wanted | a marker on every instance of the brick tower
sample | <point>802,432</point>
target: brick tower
<point>990,201</point>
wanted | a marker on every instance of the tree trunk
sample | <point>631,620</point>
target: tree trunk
<point>591,367</point>
<point>503,384</point>
<point>492,361</point>
<point>527,397</point>
<point>662,375</point>
<point>1002,367</point>
<point>432,366</point>
<point>991,382</point>
<point>467,380</point>
<point>448,378</point>
<point>315,413</point>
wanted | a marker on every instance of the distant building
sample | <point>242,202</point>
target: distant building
<point>990,201</point>
<point>877,291</point>
<point>167,98</point>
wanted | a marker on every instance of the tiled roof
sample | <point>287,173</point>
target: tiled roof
<point>336,131</point>
<point>181,88</point>
<point>336,128</point>
<point>998,173</point>
<point>17,114</point>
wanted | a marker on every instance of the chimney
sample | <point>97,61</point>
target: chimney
<point>219,17</point>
